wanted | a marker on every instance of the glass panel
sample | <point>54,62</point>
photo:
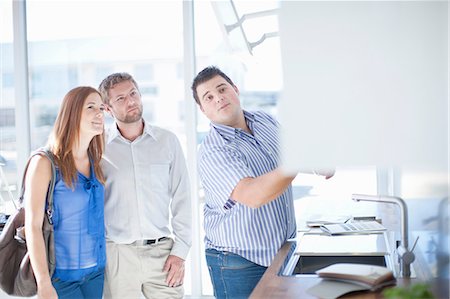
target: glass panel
<point>259,78</point>
<point>261,18</point>
<point>84,41</point>
<point>8,172</point>
<point>83,53</point>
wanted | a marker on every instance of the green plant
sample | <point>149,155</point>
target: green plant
<point>416,291</point>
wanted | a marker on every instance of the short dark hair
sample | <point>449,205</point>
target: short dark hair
<point>110,81</point>
<point>205,75</point>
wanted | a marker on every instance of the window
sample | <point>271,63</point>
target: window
<point>144,72</point>
<point>83,53</point>
<point>102,71</point>
<point>259,78</point>
<point>7,109</point>
<point>62,78</point>
<point>92,40</point>
<point>8,79</point>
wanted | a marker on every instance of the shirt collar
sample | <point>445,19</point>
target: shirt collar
<point>229,133</point>
<point>114,132</point>
<point>148,129</point>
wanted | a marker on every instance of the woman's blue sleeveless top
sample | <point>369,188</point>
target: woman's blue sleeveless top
<point>78,221</point>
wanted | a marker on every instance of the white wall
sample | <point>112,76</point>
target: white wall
<point>365,83</point>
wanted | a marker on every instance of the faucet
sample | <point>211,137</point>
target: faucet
<point>405,256</point>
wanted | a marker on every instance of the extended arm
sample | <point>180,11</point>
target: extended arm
<point>255,192</point>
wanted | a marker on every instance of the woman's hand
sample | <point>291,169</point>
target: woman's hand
<point>46,291</point>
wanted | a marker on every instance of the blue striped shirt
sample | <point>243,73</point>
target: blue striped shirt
<point>226,156</point>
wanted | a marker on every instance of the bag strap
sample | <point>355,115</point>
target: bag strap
<point>45,152</point>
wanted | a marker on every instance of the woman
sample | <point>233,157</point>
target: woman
<point>77,145</point>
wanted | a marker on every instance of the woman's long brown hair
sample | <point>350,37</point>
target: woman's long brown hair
<point>66,132</point>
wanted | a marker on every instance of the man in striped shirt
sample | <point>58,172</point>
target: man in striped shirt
<point>249,211</point>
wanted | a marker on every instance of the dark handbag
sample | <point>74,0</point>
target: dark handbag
<point>16,274</point>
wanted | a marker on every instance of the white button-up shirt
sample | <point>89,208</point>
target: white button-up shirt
<point>146,183</point>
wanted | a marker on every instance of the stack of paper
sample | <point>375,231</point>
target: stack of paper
<point>319,220</point>
<point>356,227</point>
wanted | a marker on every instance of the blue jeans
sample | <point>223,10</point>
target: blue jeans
<point>90,287</point>
<point>232,276</point>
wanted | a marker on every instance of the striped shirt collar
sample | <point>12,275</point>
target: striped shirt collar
<point>229,133</point>
<point>114,132</point>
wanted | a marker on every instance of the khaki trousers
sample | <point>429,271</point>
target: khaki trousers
<point>135,269</point>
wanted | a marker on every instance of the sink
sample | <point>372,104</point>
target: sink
<point>316,251</point>
<point>310,264</point>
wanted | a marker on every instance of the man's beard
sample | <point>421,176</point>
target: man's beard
<point>132,117</point>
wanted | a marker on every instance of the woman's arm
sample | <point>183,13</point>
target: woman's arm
<point>36,186</point>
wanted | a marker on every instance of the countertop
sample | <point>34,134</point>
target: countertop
<point>273,285</point>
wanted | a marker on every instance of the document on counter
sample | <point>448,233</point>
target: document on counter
<point>356,227</point>
<point>319,220</point>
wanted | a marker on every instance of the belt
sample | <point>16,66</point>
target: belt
<point>149,242</point>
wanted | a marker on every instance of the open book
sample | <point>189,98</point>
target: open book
<point>369,276</point>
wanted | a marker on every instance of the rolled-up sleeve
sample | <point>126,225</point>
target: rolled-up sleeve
<point>221,169</point>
